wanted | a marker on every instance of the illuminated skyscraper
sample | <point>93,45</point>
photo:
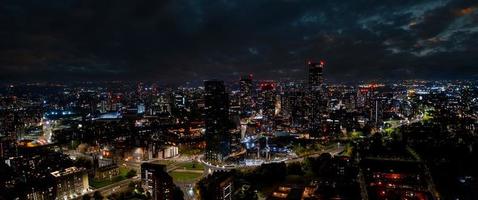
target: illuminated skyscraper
<point>141,108</point>
<point>267,99</point>
<point>316,96</point>
<point>140,91</point>
<point>218,140</point>
<point>246,94</point>
<point>316,78</point>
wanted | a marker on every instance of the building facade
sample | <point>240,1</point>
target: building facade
<point>218,139</point>
<point>156,181</point>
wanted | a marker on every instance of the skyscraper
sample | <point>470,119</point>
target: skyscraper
<point>218,140</point>
<point>266,100</point>
<point>316,78</point>
<point>316,95</point>
<point>246,94</point>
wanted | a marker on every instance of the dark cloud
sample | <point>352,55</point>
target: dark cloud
<point>180,40</point>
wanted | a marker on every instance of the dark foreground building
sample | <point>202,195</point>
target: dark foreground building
<point>157,181</point>
<point>218,140</point>
<point>218,186</point>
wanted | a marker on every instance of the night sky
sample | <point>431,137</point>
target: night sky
<point>182,40</point>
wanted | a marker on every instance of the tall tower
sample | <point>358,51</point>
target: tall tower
<point>218,139</point>
<point>245,85</point>
<point>140,91</point>
<point>315,96</point>
<point>316,78</point>
<point>266,100</point>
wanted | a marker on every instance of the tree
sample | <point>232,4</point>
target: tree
<point>86,197</point>
<point>178,193</point>
<point>97,196</point>
<point>117,178</point>
<point>84,162</point>
<point>269,173</point>
<point>131,173</point>
<point>294,169</point>
<point>113,196</point>
<point>132,185</point>
<point>74,144</point>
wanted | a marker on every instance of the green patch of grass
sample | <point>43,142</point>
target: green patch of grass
<point>356,134</point>
<point>191,166</point>
<point>347,150</point>
<point>123,171</point>
<point>427,116</point>
<point>184,176</point>
<point>123,174</point>
<point>100,184</point>
<point>389,131</point>
<point>103,183</point>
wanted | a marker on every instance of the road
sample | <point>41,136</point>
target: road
<point>186,187</point>
<point>117,187</point>
<point>333,151</point>
<point>122,186</point>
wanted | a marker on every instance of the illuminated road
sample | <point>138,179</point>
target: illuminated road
<point>333,151</point>
<point>47,127</point>
<point>117,187</point>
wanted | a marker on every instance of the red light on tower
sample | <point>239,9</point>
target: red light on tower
<point>267,85</point>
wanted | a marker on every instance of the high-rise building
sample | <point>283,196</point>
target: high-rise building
<point>218,139</point>
<point>7,146</point>
<point>217,186</point>
<point>157,181</point>
<point>371,102</point>
<point>316,78</point>
<point>141,108</point>
<point>267,99</point>
<point>246,94</point>
<point>296,107</point>
<point>140,91</point>
<point>316,96</point>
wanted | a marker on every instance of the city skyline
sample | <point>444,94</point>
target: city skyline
<point>278,139</point>
<point>238,100</point>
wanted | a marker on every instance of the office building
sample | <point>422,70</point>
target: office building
<point>316,78</point>
<point>217,186</point>
<point>218,139</point>
<point>157,181</point>
<point>245,85</point>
